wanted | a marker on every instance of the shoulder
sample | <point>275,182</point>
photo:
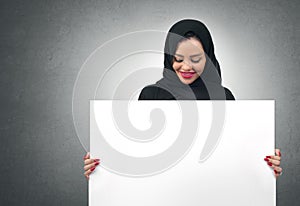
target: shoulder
<point>148,92</point>
<point>229,95</point>
<point>153,92</point>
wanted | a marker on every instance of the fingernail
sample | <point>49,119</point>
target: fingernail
<point>275,171</point>
<point>92,169</point>
<point>97,163</point>
<point>279,153</point>
<point>269,163</point>
<point>96,160</point>
<point>266,159</point>
<point>268,156</point>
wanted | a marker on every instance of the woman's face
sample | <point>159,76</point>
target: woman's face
<point>189,60</point>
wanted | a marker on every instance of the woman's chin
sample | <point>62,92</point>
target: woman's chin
<point>187,80</point>
<point>184,81</point>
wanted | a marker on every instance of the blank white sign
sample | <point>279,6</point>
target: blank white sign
<point>233,173</point>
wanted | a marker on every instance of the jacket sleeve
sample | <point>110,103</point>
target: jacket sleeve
<point>148,93</point>
<point>229,95</point>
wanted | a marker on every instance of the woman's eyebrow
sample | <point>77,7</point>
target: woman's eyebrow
<point>194,55</point>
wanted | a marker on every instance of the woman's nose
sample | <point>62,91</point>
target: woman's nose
<point>186,65</point>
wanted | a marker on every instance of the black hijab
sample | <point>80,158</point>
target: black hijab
<point>208,85</point>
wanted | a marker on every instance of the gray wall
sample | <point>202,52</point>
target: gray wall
<point>44,43</point>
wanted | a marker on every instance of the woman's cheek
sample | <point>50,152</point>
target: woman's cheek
<point>176,66</point>
<point>200,67</point>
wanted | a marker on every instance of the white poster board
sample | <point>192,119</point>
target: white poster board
<point>227,169</point>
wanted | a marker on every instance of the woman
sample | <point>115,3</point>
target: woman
<point>191,72</point>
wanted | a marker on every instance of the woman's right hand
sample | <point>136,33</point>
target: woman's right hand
<point>89,165</point>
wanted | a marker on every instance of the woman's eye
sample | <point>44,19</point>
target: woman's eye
<point>178,60</point>
<point>195,60</point>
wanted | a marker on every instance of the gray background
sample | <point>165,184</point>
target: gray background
<point>44,43</point>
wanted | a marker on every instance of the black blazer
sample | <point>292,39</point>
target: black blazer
<point>152,92</point>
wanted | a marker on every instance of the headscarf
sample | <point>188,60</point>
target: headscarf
<point>208,85</point>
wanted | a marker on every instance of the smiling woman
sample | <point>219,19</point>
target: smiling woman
<point>191,72</point>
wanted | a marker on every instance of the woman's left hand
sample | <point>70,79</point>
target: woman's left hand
<point>274,162</point>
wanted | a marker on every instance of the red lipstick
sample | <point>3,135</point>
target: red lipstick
<point>187,75</point>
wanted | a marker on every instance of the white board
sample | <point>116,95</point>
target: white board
<point>227,169</point>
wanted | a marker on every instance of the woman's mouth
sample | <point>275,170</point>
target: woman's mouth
<point>187,75</point>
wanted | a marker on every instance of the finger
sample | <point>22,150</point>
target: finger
<point>276,158</point>
<point>273,157</point>
<point>90,161</point>
<point>277,152</point>
<point>274,162</point>
<point>270,164</point>
<point>89,166</point>
<point>277,173</point>
<point>278,169</point>
<point>88,172</point>
<point>87,156</point>
<point>86,176</point>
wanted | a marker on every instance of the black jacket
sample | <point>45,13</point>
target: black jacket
<point>152,92</point>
